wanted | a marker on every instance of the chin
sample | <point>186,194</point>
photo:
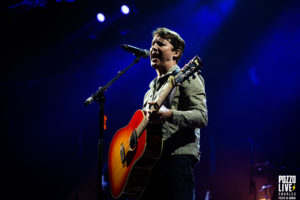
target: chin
<point>154,65</point>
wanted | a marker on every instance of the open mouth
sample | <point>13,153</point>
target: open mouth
<point>155,56</point>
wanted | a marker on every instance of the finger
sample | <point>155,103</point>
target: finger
<point>151,102</point>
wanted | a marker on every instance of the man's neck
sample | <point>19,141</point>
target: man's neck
<point>163,70</point>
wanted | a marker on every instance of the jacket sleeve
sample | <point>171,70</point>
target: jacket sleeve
<point>194,110</point>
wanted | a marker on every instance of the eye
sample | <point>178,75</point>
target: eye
<point>160,43</point>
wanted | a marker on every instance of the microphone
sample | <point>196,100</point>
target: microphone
<point>136,51</point>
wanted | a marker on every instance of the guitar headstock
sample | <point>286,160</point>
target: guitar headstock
<point>189,69</point>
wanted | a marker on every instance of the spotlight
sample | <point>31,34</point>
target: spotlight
<point>125,9</point>
<point>100,17</point>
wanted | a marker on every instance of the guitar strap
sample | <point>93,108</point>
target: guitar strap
<point>169,100</point>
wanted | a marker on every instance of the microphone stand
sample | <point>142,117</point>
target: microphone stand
<point>252,184</point>
<point>100,99</point>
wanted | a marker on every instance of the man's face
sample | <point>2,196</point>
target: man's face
<point>161,54</point>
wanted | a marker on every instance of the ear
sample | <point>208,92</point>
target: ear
<point>176,53</point>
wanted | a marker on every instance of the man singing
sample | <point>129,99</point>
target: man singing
<point>180,119</point>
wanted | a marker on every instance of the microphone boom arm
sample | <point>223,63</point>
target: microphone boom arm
<point>96,96</point>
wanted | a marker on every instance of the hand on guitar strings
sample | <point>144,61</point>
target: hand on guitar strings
<point>160,116</point>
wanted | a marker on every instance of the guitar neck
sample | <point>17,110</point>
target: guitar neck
<point>142,126</point>
<point>161,96</point>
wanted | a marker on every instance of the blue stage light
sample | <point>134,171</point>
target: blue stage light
<point>125,9</point>
<point>100,17</point>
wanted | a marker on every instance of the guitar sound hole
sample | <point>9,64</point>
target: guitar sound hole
<point>133,139</point>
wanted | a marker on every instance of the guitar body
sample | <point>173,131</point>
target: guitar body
<point>131,159</point>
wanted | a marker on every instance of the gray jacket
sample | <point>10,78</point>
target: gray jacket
<point>181,134</point>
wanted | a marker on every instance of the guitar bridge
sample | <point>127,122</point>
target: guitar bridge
<point>122,154</point>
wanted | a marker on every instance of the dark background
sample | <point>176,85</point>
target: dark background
<point>54,55</point>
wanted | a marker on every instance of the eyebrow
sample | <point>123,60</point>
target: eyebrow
<point>157,41</point>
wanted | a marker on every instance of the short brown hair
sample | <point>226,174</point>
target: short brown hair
<point>173,37</point>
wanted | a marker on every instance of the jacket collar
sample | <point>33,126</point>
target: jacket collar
<point>164,77</point>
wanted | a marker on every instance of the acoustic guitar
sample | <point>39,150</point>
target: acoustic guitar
<point>133,150</point>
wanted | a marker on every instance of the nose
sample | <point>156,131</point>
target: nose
<point>154,48</point>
